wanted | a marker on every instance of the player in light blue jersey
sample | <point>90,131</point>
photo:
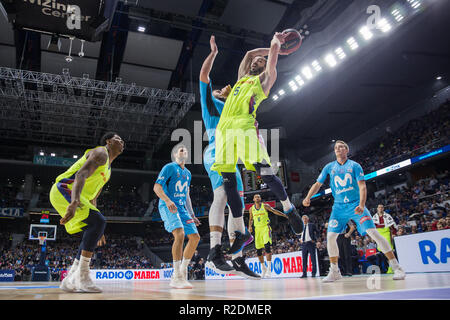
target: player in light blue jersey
<point>175,207</point>
<point>349,191</point>
<point>212,102</point>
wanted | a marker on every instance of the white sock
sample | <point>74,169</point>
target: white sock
<point>334,267</point>
<point>394,264</point>
<point>287,205</point>
<point>263,265</point>
<point>239,224</point>
<point>84,263</point>
<point>74,266</point>
<point>215,238</point>
<point>176,268</point>
<point>183,267</point>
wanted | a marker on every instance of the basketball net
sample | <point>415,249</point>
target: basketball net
<point>42,240</point>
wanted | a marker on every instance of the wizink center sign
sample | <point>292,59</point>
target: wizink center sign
<point>424,252</point>
<point>285,265</point>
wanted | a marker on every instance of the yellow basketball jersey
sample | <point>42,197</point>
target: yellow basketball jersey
<point>93,183</point>
<point>260,216</point>
<point>244,99</point>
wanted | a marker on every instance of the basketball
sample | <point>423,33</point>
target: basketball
<point>292,42</point>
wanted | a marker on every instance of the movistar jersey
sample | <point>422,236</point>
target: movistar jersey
<point>244,98</point>
<point>343,180</point>
<point>211,110</point>
<point>260,216</point>
<point>175,182</point>
<point>93,184</point>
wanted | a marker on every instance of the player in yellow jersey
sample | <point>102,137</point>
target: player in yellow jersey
<point>237,133</point>
<point>74,195</point>
<point>259,216</point>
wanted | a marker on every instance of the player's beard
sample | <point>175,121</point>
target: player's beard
<point>257,71</point>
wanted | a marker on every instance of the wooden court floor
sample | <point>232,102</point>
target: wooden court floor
<point>434,286</point>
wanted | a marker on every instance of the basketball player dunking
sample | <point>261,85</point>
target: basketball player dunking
<point>212,102</point>
<point>349,191</point>
<point>74,195</point>
<point>237,133</point>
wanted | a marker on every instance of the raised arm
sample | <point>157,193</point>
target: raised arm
<point>244,67</point>
<point>269,76</point>
<point>209,61</point>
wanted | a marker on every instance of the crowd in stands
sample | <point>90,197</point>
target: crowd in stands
<point>120,252</point>
<point>416,137</point>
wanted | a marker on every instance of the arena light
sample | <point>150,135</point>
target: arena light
<point>299,80</point>
<point>141,29</point>
<point>397,15</point>
<point>52,154</point>
<point>340,53</point>
<point>306,71</point>
<point>281,92</point>
<point>365,32</point>
<point>275,97</point>
<point>293,85</point>
<point>384,25</point>
<point>352,43</point>
<point>75,156</point>
<point>439,78</point>
<point>414,3</point>
<point>330,60</point>
<point>41,153</point>
<point>316,66</point>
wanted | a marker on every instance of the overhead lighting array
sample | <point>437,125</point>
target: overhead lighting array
<point>309,71</point>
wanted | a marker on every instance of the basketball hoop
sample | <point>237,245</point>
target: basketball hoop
<point>42,240</point>
<point>42,235</point>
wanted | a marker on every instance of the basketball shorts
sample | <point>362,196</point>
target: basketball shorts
<point>214,176</point>
<point>61,197</point>
<point>342,213</point>
<point>263,235</point>
<point>180,219</point>
<point>238,138</point>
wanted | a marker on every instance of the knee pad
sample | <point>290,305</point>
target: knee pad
<point>233,197</point>
<point>259,252</point>
<point>333,250</point>
<point>216,212</point>
<point>263,170</point>
<point>96,224</point>
<point>267,246</point>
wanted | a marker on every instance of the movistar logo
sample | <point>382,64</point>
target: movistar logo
<point>180,187</point>
<point>342,183</point>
